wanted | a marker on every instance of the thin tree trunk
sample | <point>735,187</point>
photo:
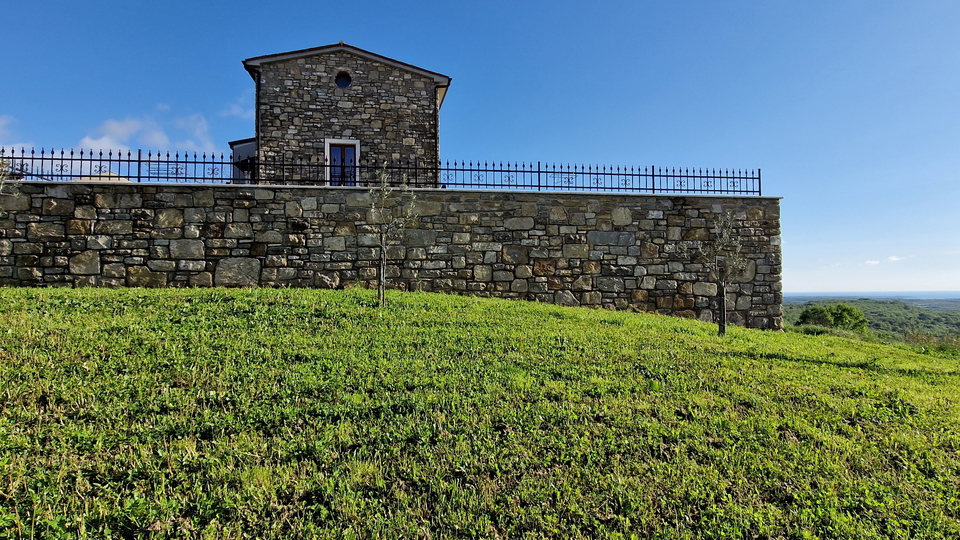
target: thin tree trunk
<point>722,274</point>
<point>382,283</point>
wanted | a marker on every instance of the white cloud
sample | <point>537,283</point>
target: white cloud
<point>242,107</point>
<point>872,263</point>
<point>894,258</point>
<point>198,128</point>
<point>6,134</point>
<point>190,133</point>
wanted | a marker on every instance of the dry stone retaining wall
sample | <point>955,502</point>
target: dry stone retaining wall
<point>611,251</point>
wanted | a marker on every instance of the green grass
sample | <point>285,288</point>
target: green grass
<point>303,414</point>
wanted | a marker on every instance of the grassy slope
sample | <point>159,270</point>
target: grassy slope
<point>295,413</point>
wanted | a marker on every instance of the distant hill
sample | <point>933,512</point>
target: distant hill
<point>937,317</point>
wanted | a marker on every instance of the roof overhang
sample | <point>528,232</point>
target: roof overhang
<point>441,81</point>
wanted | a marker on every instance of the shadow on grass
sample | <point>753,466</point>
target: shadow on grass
<point>867,365</point>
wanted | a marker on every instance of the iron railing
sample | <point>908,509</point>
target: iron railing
<point>177,167</point>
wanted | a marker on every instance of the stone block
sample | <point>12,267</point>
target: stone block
<point>130,200</point>
<point>513,254</point>
<point>201,279</point>
<point>621,216</point>
<point>482,272</point>
<point>591,298</point>
<point>58,207</point>
<point>544,268</point>
<point>99,241</point>
<point>610,284</point>
<point>45,230</point>
<point>576,251</point>
<point>238,230</point>
<point>701,234</point>
<point>187,249</point>
<point>114,270</point>
<point>162,265</point>
<point>419,237</point>
<point>113,227</point>
<point>168,218</point>
<point>518,223</point>
<point>611,238</point>
<point>86,263</point>
<point>427,208</point>
<point>105,200</point>
<point>269,237</point>
<point>334,243</point>
<point>204,199</point>
<point>141,276</point>
<point>17,202</point>
<point>292,209</point>
<point>359,200</point>
<point>237,272</point>
<point>705,289</point>
<point>565,298</point>
<point>79,226</point>
<point>582,283</point>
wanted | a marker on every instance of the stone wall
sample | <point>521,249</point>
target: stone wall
<point>611,251</point>
<point>393,112</point>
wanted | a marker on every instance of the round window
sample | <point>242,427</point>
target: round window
<point>343,79</point>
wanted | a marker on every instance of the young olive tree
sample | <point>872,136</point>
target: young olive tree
<point>392,210</point>
<point>723,257</point>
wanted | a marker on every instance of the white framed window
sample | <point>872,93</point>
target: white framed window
<point>343,159</point>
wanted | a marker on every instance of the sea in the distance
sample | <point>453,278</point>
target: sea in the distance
<point>884,295</point>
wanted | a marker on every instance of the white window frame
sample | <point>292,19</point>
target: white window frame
<point>326,157</point>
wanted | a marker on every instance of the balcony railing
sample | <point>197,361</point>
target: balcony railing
<point>196,168</point>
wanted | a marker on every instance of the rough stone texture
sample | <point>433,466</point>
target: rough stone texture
<point>561,248</point>
<point>392,112</point>
<point>237,272</point>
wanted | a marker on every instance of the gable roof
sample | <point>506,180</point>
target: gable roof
<point>442,81</point>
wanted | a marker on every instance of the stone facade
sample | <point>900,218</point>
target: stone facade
<point>610,251</point>
<point>390,109</point>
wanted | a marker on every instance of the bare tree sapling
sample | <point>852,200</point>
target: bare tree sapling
<point>723,257</point>
<point>392,210</point>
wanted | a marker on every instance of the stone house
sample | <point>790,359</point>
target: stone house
<point>343,109</point>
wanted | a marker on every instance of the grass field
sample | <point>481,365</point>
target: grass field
<point>305,414</point>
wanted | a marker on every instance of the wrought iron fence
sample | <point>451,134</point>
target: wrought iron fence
<point>177,167</point>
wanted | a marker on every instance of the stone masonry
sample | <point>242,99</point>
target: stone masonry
<point>610,251</point>
<point>392,109</point>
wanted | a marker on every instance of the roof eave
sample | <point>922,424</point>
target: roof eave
<point>251,64</point>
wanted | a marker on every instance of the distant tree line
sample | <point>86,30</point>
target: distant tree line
<point>839,316</point>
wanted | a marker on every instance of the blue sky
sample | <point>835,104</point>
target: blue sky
<point>850,108</point>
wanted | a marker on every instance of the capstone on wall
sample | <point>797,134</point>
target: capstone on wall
<point>393,112</point>
<point>611,251</point>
